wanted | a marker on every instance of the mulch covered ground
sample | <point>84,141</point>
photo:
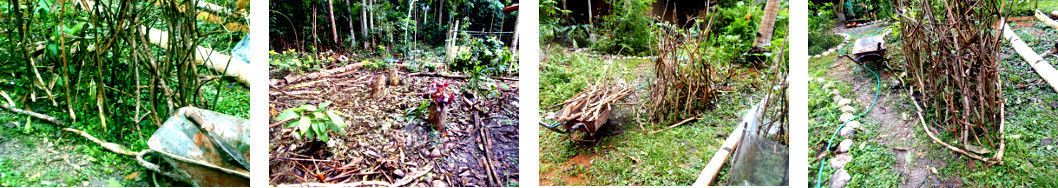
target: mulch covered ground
<point>382,146</point>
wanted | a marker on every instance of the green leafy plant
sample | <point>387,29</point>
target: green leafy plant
<point>312,122</point>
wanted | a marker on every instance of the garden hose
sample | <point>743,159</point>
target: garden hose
<point>877,89</point>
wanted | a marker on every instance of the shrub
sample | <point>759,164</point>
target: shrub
<point>819,42</point>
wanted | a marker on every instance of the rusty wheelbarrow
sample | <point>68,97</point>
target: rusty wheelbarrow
<point>588,123</point>
<point>868,49</point>
<point>589,110</point>
<point>196,145</point>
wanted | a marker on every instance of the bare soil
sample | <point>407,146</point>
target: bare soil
<point>51,161</point>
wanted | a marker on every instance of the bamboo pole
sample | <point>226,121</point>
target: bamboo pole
<point>1047,20</point>
<point>1042,67</point>
<point>751,118</point>
<point>205,56</point>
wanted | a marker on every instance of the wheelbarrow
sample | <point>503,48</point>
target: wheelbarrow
<point>587,124</point>
<point>869,49</point>
<point>191,145</point>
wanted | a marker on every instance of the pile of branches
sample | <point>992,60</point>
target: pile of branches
<point>594,105</point>
<point>952,52</point>
<point>684,84</point>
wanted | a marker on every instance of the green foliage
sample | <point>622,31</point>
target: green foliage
<point>312,122</point>
<point>627,31</point>
<point>486,56</point>
<point>872,166</point>
<point>818,42</point>
<point>821,17</point>
<point>418,112</point>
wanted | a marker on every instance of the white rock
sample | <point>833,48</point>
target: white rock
<point>845,117</point>
<point>837,98</point>
<point>847,132</point>
<point>840,160</point>
<point>835,92</point>
<point>839,179</point>
<point>848,109</point>
<point>844,102</point>
<point>844,146</point>
<point>853,124</point>
<point>826,86</point>
<point>810,79</point>
<point>820,79</point>
<point>439,183</point>
<point>826,53</point>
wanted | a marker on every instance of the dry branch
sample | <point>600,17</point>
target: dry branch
<point>676,125</point>
<point>50,119</point>
<point>109,146</point>
<point>413,176</point>
<point>998,158</point>
<point>952,54</point>
<point>354,184</point>
<point>350,68</point>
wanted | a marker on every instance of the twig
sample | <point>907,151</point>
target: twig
<point>109,146</point>
<point>354,184</point>
<point>280,122</point>
<point>677,124</point>
<point>455,76</point>
<point>413,176</point>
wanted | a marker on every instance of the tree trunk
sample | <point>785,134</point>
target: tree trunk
<point>352,33</point>
<point>363,23</point>
<point>334,27</point>
<point>767,25</point>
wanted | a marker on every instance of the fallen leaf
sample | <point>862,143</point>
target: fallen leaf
<point>977,149</point>
<point>132,176</point>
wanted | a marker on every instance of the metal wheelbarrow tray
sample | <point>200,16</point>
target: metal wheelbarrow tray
<point>868,49</point>
<point>191,157</point>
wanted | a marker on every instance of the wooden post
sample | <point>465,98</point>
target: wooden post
<point>1042,67</point>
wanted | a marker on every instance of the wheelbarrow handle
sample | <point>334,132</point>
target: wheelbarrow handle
<point>554,127</point>
<point>157,168</point>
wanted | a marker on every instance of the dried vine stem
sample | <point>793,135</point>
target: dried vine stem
<point>998,158</point>
<point>682,87</point>
<point>952,52</point>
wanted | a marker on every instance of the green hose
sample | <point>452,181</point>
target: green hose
<point>877,89</point>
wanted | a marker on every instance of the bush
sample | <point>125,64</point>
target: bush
<point>627,31</point>
<point>820,42</point>
<point>488,56</point>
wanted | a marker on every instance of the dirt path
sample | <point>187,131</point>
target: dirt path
<point>49,161</point>
<point>897,125</point>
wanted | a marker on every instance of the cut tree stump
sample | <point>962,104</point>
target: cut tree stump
<point>379,88</point>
